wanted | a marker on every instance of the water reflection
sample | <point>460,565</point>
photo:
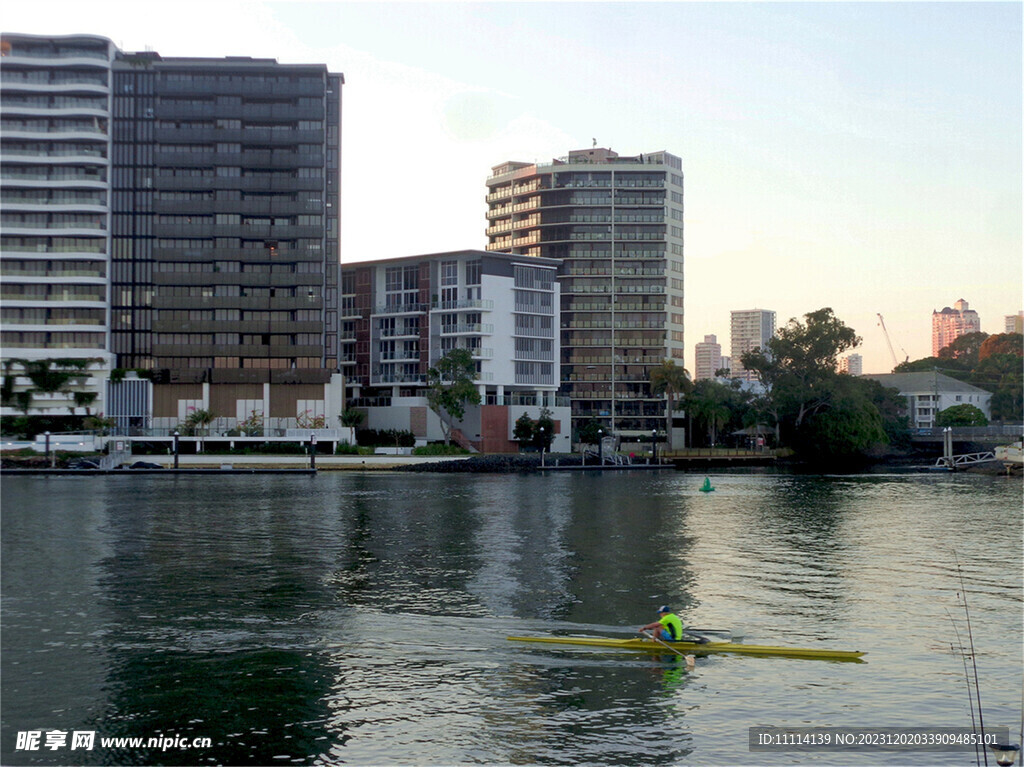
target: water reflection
<point>362,618</point>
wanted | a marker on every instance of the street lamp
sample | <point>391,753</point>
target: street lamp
<point>541,430</point>
<point>600,447</point>
<point>312,451</point>
<point>47,450</point>
<point>654,446</point>
<point>176,435</point>
<point>1005,754</point>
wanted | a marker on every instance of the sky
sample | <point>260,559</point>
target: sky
<point>862,156</point>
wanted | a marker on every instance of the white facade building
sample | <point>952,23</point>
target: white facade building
<point>54,248</point>
<point>707,359</point>
<point>852,364</point>
<point>749,329</point>
<point>928,394</point>
<point>400,316</point>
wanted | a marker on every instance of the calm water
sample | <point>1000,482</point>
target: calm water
<point>361,619</point>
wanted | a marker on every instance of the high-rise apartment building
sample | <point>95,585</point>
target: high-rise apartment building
<point>749,329</point>
<point>179,215</point>
<point>708,358</point>
<point>1014,323</point>
<point>54,247</point>
<point>225,203</point>
<point>852,364</point>
<point>616,224</point>
<point>951,323</point>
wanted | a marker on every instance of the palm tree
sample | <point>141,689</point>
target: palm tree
<point>672,381</point>
<point>707,406</point>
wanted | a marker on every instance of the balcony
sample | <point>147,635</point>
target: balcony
<point>389,309</point>
<point>469,303</point>
<point>378,378</point>
<point>467,329</point>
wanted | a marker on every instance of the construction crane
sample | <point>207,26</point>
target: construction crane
<point>906,357</point>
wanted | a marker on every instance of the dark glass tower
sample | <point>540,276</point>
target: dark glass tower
<point>224,204</point>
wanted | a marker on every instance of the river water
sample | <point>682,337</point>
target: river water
<point>351,618</point>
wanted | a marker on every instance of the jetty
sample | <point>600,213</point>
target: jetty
<point>695,458</point>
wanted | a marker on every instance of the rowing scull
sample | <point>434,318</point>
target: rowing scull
<point>646,645</point>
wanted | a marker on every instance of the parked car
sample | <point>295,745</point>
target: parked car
<point>83,463</point>
<point>145,465</point>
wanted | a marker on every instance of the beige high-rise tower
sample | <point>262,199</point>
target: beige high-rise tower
<point>616,223</point>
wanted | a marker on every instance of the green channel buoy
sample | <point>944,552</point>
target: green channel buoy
<point>706,487</point>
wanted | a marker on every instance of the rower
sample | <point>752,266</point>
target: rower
<point>668,626</point>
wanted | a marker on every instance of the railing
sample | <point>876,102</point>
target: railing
<point>962,433</point>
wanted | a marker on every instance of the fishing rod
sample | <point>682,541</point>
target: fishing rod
<point>974,656</point>
<point>967,679</point>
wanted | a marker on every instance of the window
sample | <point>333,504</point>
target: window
<point>449,272</point>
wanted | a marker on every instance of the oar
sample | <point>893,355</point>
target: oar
<point>688,658</point>
<point>709,631</point>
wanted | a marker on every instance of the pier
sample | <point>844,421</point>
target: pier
<point>713,456</point>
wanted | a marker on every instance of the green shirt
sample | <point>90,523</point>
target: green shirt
<point>672,624</point>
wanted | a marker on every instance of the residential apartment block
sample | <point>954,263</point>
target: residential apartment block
<point>54,246</point>
<point>1013,323</point>
<point>852,364</point>
<point>928,394</point>
<point>210,227</point>
<point>749,329</point>
<point>951,323</point>
<point>400,316</point>
<point>616,225</point>
<point>708,358</point>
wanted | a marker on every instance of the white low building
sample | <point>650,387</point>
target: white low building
<point>929,393</point>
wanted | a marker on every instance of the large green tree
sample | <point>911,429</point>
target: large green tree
<point>451,388</point>
<point>672,381</point>
<point>800,363</point>
<point>822,414</point>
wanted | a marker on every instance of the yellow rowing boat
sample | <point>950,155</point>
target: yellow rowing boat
<point>697,648</point>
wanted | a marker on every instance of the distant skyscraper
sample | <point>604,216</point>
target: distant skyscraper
<point>750,329</point>
<point>708,358</point>
<point>616,224</point>
<point>852,364</point>
<point>949,324</point>
<point>1015,323</point>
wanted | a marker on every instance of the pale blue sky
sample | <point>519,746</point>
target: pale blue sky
<point>863,156</point>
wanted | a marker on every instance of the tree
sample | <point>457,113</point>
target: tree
<point>1003,343</point>
<point>670,380</point>
<point>961,415</point>
<point>198,420</point>
<point>708,404</point>
<point>822,414</point>
<point>589,432</point>
<point>452,388</point>
<point>846,430</point>
<point>351,417</point>
<point>964,349</point>
<point>544,430</point>
<point>523,430</point>
<point>800,363</point>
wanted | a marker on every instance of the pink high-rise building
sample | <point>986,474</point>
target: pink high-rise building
<point>949,324</point>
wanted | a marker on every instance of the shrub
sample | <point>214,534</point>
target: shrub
<point>439,448</point>
<point>385,438</point>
